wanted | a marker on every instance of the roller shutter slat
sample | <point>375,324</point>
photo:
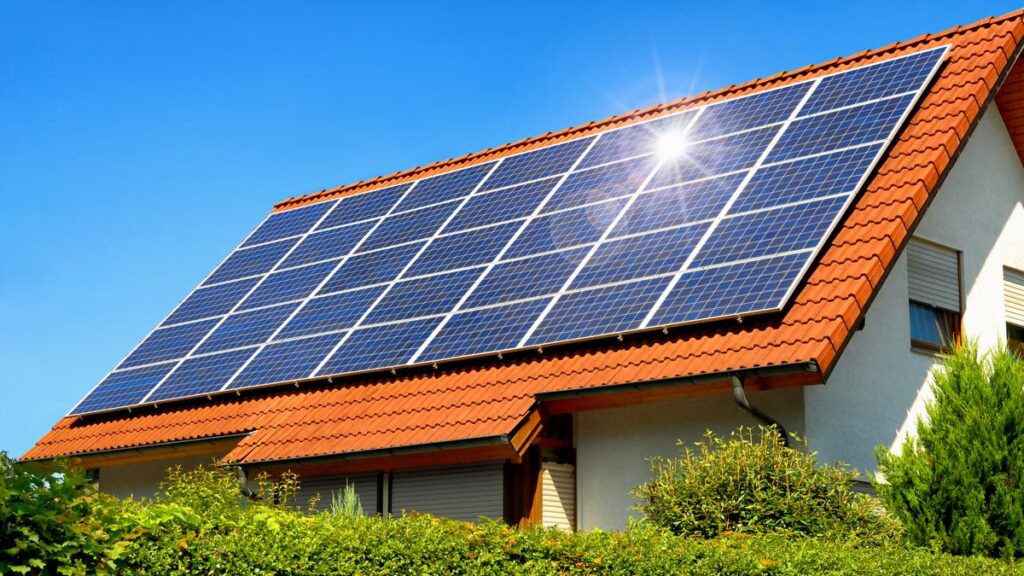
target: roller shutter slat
<point>934,275</point>
<point>558,507</point>
<point>325,486</point>
<point>458,492</point>
<point>1013,288</point>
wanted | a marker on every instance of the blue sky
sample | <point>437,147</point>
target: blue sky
<point>140,142</point>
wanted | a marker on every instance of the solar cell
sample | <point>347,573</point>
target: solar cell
<point>168,343</point>
<point>379,346</point>
<point>606,310</point>
<point>286,361</point>
<point>201,375</point>
<point>288,285</point>
<point>677,205</point>
<point>251,261</point>
<point>484,330</point>
<point>246,328</point>
<point>358,207</point>
<point>290,223</point>
<point>212,301</point>
<point>585,238</point>
<point>327,245</point>
<point>640,256</point>
<point>448,186</point>
<point>331,313</point>
<point>463,249</point>
<point>502,205</point>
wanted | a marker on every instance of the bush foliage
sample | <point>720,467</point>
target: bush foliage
<point>959,485</point>
<point>751,483</point>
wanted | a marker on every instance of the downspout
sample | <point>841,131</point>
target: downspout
<point>740,396</point>
<point>243,484</point>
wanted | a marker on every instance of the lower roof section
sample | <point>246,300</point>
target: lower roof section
<point>495,398</point>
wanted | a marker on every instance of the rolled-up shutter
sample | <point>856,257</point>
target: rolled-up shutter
<point>327,486</point>
<point>558,483</point>
<point>1013,288</point>
<point>934,275</point>
<point>456,492</point>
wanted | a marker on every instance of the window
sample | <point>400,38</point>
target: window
<point>934,281</point>
<point>1013,291</point>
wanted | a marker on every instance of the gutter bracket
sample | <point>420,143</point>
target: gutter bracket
<point>740,396</point>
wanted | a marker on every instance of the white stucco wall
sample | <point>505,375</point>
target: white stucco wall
<point>612,446</point>
<point>879,386</point>
<point>142,479</point>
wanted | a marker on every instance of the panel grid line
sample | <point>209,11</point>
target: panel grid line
<point>405,269</point>
<point>728,205</point>
<point>586,259</point>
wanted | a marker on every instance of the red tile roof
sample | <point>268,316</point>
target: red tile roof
<point>493,398</point>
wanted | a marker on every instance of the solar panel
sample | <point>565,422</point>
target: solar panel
<point>597,236</point>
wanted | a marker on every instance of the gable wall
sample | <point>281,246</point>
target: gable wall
<point>879,385</point>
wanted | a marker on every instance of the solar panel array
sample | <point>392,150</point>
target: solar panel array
<point>591,237</point>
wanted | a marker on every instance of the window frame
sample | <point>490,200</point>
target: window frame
<point>956,318</point>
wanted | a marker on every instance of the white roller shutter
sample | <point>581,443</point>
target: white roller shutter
<point>559,495</point>
<point>934,275</point>
<point>326,486</point>
<point>1013,288</point>
<point>456,492</point>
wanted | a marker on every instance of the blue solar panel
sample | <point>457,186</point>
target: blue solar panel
<point>364,206</point>
<point>815,177</point>
<point>123,388</point>
<point>212,301</point>
<point>599,311</point>
<point>635,140</point>
<point>484,330</point>
<point>328,245</point>
<point>748,112</point>
<point>371,268</point>
<point>719,292</point>
<point>423,296</point>
<point>526,278</point>
<point>714,157</point>
<point>445,187</point>
<point>677,205</point>
<point>168,343</point>
<point>537,164</point>
<point>502,205</point>
<point>832,130</point>
<point>246,328</point>
<point>887,78</point>
<point>640,256</point>
<point>286,361</point>
<point>584,238</point>
<point>251,261</point>
<point>773,231</point>
<point>463,249</point>
<point>288,285</point>
<point>409,226</point>
<point>609,181</point>
<point>201,375</point>
<point>566,229</point>
<point>331,313</point>
<point>289,223</point>
<point>380,346</point>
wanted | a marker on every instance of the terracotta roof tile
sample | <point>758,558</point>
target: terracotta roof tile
<point>491,397</point>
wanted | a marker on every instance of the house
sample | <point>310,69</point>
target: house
<point>930,249</point>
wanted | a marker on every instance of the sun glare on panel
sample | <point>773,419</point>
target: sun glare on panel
<point>671,145</point>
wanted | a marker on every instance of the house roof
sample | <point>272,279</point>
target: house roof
<point>496,400</point>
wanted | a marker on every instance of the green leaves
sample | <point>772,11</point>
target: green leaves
<point>959,486</point>
<point>751,483</point>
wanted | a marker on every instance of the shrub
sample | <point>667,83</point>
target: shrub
<point>751,483</point>
<point>959,485</point>
<point>52,521</point>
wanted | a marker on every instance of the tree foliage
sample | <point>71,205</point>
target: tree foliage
<point>959,485</point>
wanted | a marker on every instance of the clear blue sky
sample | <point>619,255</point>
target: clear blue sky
<point>140,142</point>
